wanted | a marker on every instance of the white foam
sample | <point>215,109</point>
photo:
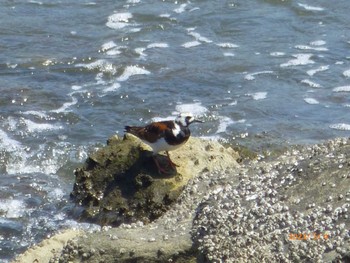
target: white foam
<point>189,29</point>
<point>140,51</point>
<point>133,1</point>
<point>200,38</point>
<point>346,73</point>
<point>194,9</point>
<point>118,20</point>
<point>340,126</point>
<point>131,71</point>
<point>99,79</point>
<point>277,54</point>
<point>300,59</point>
<point>191,44</point>
<point>8,144</point>
<point>76,87</point>
<point>24,160</point>
<point>40,114</point>
<point>251,76</point>
<point>228,54</point>
<point>311,83</point>
<point>158,45</point>
<point>111,88</point>
<point>195,108</point>
<point>166,15</point>
<point>101,65</point>
<point>113,52</point>
<point>224,122</point>
<point>318,43</point>
<point>311,101</point>
<point>180,9</point>
<point>342,89</point>
<point>66,106</point>
<point>12,66</point>
<point>227,45</point>
<point>312,72</point>
<point>108,45</point>
<point>12,208</point>
<point>305,47</point>
<point>310,8</point>
<point>56,194</point>
<point>35,2</point>
<point>40,127</point>
<point>258,95</point>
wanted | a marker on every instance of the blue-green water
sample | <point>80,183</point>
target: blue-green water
<point>75,72</point>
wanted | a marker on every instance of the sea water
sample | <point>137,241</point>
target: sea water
<point>73,73</point>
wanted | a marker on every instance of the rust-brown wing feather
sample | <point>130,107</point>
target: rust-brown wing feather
<point>151,132</point>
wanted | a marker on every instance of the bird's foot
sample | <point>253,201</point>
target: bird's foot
<point>160,169</point>
<point>170,162</point>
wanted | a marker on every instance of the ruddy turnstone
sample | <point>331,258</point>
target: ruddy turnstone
<point>165,135</point>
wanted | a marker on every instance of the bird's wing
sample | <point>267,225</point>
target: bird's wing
<point>151,132</point>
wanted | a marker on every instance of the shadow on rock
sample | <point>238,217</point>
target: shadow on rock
<point>120,184</point>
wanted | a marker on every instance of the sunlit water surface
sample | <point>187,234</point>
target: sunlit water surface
<point>260,73</point>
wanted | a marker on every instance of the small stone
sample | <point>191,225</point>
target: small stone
<point>85,256</point>
<point>297,201</point>
<point>132,253</point>
<point>161,251</point>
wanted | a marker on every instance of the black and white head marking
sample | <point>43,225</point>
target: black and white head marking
<point>184,119</point>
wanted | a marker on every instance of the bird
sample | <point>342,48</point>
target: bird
<point>165,135</point>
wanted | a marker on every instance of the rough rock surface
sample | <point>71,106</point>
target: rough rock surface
<point>120,183</point>
<point>48,248</point>
<point>293,208</point>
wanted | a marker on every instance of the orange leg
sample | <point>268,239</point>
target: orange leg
<point>160,169</point>
<point>173,165</point>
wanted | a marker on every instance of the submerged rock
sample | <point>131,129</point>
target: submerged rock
<point>120,183</point>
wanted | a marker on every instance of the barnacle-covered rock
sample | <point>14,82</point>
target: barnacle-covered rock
<point>120,183</point>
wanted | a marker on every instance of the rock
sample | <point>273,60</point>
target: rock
<point>280,210</point>
<point>168,238</point>
<point>273,210</point>
<point>48,248</point>
<point>120,183</point>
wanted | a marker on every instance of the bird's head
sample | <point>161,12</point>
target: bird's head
<point>185,119</point>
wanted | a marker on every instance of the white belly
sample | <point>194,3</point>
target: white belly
<point>161,145</point>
